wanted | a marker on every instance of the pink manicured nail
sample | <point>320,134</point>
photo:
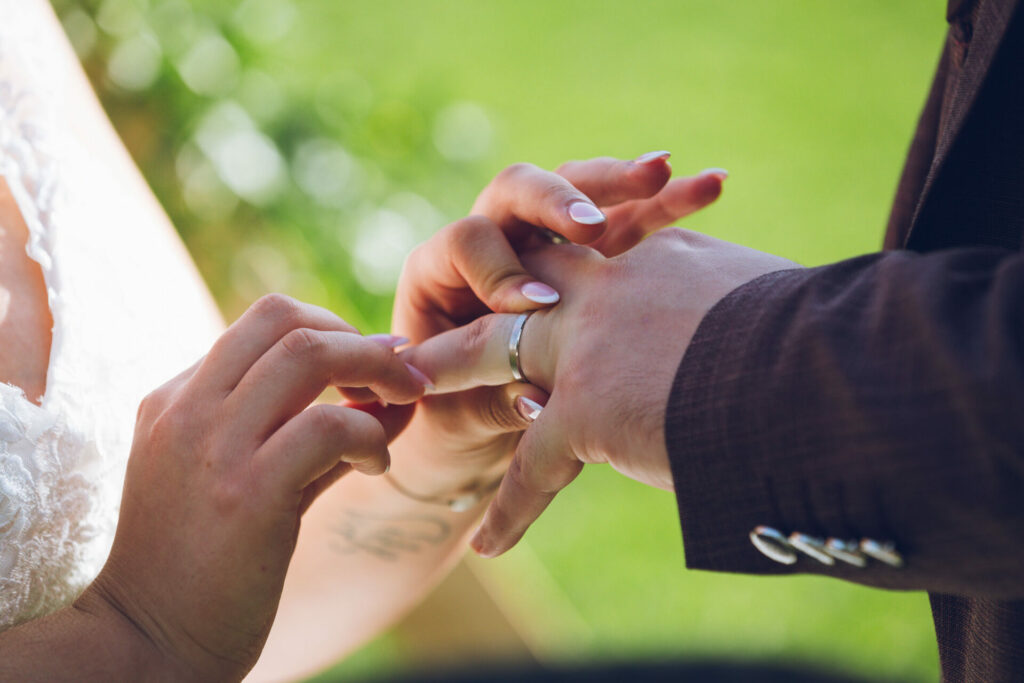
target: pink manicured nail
<point>715,171</point>
<point>586,213</point>
<point>652,156</point>
<point>528,408</point>
<point>420,377</point>
<point>388,340</point>
<point>540,293</point>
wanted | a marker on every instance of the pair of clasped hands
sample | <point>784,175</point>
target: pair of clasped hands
<point>228,455</point>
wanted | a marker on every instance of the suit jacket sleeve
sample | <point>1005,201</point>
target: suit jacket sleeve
<point>880,397</point>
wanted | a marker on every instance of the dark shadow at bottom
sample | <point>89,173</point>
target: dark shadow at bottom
<point>663,672</point>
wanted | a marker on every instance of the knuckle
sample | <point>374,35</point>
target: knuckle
<point>415,261</point>
<point>514,172</point>
<point>467,236</point>
<point>150,406</point>
<point>302,344</point>
<point>327,421</point>
<point>504,518</point>
<point>568,167</point>
<point>469,227</point>
<point>420,252</point>
<point>673,236</point>
<point>168,426</point>
<point>558,193</point>
<point>385,365</point>
<point>476,336</point>
<point>521,474</point>
<point>452,234</point>
<point>576,374</point>
<point>277,307</point>
<point>228,495</point>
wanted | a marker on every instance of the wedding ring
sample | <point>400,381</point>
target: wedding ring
<point>552,236</point>
<point>513,347</point>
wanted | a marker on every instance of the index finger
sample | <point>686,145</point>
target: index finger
<point>523,196</point>
<point>298,368</point>
<point>257,330</point>
<point>542,466</point>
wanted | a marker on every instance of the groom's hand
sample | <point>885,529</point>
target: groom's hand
<point>607,354</point>
<point>472,267</point>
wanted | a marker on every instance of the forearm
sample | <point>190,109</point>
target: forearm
<point>876,398</point>
<point>366,555</point>
<point>87,641</point>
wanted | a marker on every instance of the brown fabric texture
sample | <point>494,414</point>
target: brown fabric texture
<point>883,396</point>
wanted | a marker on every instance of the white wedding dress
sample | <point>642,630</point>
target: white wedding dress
<point>128,313</point>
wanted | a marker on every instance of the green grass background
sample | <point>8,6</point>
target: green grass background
<point>809,104</point>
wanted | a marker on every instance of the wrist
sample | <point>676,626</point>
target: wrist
<point>141,644</point>
<point>459,498</point>
<point>428,470</point>
<point>123,640</point>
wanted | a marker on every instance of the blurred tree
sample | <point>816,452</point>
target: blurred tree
<point>312,191</point>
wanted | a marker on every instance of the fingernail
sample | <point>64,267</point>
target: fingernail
<point>388,340</point>
<point>388,468</point>
<point>420,377</point>
<point>528,408</point>
<point>539,292</point>
<point>477,542</point>
<point>652,156</point>
<point>715,171</point>
<point>382,402</point>
<point>586,213</point>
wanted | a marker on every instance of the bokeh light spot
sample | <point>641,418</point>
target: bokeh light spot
<point>121,17</point>
<point>463,132</point>
<point>245,159</point>
<point>326,172</point>
<point>265,21</point>
<point>135,62</point>
<point>211,66</point>
<point>81,30</point>
<point>383,239</point>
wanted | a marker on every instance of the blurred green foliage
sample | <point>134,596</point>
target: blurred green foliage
<point>279,176</point>
<point>306,146</point>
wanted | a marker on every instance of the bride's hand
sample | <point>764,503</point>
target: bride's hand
<point>471,268</point>
<point>226,458</point>
<point>636,197</point>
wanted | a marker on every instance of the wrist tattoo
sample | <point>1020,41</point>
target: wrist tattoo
<point>388,538</point>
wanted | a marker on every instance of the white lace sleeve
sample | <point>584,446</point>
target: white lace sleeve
<point>128,311</point>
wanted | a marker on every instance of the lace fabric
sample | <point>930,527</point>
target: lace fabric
<point>127,316</point>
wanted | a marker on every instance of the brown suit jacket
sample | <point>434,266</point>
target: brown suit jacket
<point>883,397</point>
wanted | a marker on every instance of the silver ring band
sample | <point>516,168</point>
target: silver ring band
<point>513,347</point>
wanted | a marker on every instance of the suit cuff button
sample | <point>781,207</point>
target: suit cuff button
<point>846,551</point>
<point>773,545</point>
<point>883,552</point>
<point>811,546</point>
